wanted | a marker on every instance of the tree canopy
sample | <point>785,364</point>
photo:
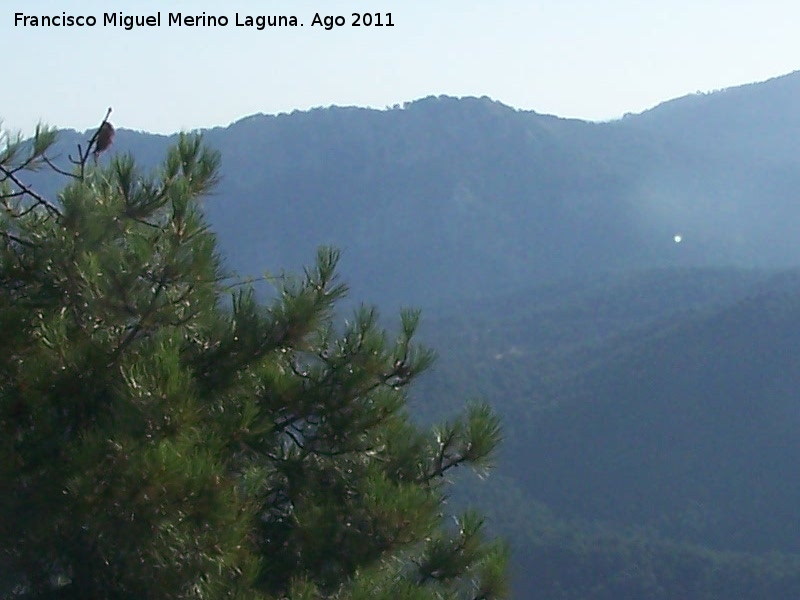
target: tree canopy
<point>166,433</point>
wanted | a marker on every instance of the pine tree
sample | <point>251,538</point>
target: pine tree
<point>166,434</point>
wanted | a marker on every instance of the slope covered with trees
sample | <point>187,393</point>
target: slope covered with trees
<point>444,199</point>
<point>650,432</point>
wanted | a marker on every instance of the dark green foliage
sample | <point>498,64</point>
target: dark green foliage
<point>159,442</point>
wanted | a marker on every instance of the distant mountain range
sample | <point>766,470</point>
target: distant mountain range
<point>450,198</point>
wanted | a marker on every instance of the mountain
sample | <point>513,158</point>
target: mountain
<point>739,168</point>
<point>449,198</point>
<point>485,197</point>
<point>754,121</point>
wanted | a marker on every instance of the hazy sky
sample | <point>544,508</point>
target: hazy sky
<point>593,59</point>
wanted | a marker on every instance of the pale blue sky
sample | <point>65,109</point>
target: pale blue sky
<point>591,59</point>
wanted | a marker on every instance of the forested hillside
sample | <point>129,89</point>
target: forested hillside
<point>650,447</point>
<point>444,199</point>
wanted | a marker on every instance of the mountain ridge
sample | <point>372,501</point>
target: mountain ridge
<point>488,197</point>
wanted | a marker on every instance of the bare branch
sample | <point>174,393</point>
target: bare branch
<point>49,162</point>
<point>28,191</point>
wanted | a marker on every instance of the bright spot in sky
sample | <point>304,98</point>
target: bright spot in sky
<point>677,239</point>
